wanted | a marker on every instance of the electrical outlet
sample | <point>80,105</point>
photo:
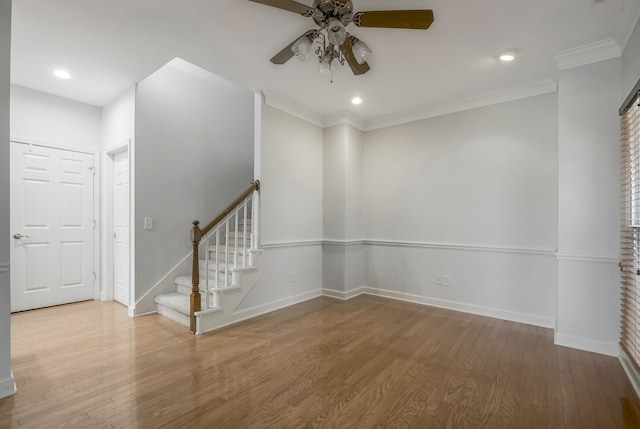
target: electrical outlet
<point>446,281</point>
<point>293,276</point>
<point>148,223</point>
<point>438,279</point>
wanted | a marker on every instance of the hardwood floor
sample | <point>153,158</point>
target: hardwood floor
<point>365,363</point>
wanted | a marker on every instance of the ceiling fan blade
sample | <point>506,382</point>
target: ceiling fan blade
<point>289,5</point>
<point>347,51</point>
<point>286,54</point>
<point>409,19</point>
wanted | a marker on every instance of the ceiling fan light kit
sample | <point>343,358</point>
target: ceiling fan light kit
<point>332,39</point>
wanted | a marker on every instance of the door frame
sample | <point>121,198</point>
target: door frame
<point>96,202</point>
<point>107,223</point>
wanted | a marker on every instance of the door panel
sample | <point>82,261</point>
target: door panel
<point>52,223</point>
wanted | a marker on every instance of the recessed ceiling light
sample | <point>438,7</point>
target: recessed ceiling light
<point>62,74</point>
<point>356,100</point>
<point>508,55</point>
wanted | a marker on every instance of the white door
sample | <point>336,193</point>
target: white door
<point>121,227</point>
<point>51,225</point>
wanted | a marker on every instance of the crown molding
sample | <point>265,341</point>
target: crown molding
<point>344,117</point>
<point>587,54</point>
<point>293,108</point>
<point>483,99</point>
<point>631,10</point>
<point>465,103</point>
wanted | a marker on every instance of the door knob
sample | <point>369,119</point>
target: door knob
<point>18,236</point>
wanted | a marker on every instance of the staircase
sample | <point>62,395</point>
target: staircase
<point>226,274</point>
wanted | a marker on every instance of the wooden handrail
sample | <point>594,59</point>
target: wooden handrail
<point>196,236</point>
<point>255,186</point>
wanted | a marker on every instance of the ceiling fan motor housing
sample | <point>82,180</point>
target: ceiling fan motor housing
<point>324,10</point>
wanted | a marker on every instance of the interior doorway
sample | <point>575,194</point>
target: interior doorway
<point>117,235</point>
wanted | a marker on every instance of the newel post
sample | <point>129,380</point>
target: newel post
<point>196,302</point>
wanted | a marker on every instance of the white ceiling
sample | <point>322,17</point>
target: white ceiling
<point>109,45</point>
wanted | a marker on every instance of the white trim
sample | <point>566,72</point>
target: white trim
<point>259,310</point>
<point>626,29</point>
<point>345,243</point>
<point>562,256</point>
<point>301,243</point>
<point>142,314</point>
<point>106,293</point>
<point>629,368</point>
<point>586,344</point>
<point>529,319</point>
<point>482,99</point>
<point>332,293</point>
<point>257,136</point>
<point>8,387</point>
<point>4,267</point>
<point>587,54</point>
<point>465,103</point>
<point>344,117</point>
<point>292,108</point>
<point>414,244</point>
<point>132,218</point>
<point>461,247</point>
<point>52,145</point>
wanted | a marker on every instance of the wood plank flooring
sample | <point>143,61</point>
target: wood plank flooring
<point>364,363</point>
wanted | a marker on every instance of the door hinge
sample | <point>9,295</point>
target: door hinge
<point>94,276</point>
<point>92,169</point>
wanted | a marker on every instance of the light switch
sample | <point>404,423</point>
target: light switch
<point>148,223</point>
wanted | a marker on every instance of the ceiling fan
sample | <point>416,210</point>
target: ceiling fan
<point>331,38</point>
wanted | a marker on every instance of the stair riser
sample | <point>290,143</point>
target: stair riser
<point>173,315</point>
<point>214,300</point>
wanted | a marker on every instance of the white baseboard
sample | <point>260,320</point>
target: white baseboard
<point>8,387</point>
<point>249,313</point>
<point>331,293</point>
<point>529,319</point>
<point>630,369</point>
<point>587,344</point>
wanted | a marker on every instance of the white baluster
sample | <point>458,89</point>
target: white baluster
<point>235,246</point>
<point>244,235</point>
<point>217,264</point>
<point>226,251</point>
<point>206,271</point>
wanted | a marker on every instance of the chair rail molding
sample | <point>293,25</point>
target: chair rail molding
<point>583,257</point>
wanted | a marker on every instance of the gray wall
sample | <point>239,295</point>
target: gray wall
<point>472,195</point>
<point>49,119</point>
<point>193,156</point>
<point>291,211</point>
<point>588,313</point>
<point>6,384</point>
<point>343,259</point>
